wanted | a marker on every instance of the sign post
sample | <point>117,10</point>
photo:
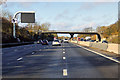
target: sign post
<point>26,17</point>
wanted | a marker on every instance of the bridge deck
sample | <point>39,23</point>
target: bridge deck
<point>69,32</point>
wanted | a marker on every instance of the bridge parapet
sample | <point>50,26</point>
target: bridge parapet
<point>72,33</point>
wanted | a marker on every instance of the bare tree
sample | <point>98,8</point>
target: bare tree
<point>88,29</point>
<point>7,15</point>
<point>45,26</point>
<point>3,2</point>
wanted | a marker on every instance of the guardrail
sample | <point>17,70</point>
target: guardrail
<point>111,47</point>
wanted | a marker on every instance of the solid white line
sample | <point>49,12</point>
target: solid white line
<point>65,72</point>
<point>63,52</point>
<point>19,58</point>
<point>63,49</point>
<point>64,57</point>
<point>110,58</point>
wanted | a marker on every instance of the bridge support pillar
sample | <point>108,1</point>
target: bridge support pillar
<point>71,36</point>
<point>99,37</point>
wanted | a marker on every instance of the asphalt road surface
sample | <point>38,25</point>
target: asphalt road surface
<point>47,61</point>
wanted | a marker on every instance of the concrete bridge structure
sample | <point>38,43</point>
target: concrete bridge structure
<point>72,33</point>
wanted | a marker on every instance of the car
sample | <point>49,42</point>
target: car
<point>39,42</point>
<point>60,40</point>
<point>92,40</point>
<point>44,42</point>
<point>82,39</point>
<point>56,43</point>
<point>85,40</point>
<point>65,40</point>
<point>104,41</point>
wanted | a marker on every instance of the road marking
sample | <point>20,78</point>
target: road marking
<point>18,66</point>
<point>65,72</point>
<point>32,52</point>
<point>51,49</point>
<point>63,52</point>
<point>34,55</point>
<point>64,57</point>
<point>19,58</point>
<point>110,58</point>
<point>63,49</point>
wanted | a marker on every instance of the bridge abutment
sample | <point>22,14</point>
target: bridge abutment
<point>71,36</point>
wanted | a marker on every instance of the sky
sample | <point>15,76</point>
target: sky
<point>69,16</point>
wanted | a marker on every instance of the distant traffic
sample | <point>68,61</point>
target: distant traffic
<point>58,42</point>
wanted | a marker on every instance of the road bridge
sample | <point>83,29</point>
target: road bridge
<point>72,33</point>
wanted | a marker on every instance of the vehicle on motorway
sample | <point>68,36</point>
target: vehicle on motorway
<point>104,41</point>
<point>39,42</point>
<point>60,40</point>
<point>92,40</point>
<point>82,39</point>
<point>87,38</point>
<point>56,43</point>
<point>65,40</point>
<point>74,39</point>
<point>44,42</point>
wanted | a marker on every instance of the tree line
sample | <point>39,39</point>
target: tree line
<point>110,33</point>
<point>30,32</point>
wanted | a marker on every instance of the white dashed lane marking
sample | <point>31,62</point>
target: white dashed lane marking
<point>64,57</point>
<point>65,72</point>
<point>63,52</point>
<point>19,58</point>
<point>33,52</point>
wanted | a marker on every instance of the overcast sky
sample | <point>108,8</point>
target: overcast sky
<point>69,16</point>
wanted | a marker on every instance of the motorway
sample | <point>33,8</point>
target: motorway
<point>47,61</point>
